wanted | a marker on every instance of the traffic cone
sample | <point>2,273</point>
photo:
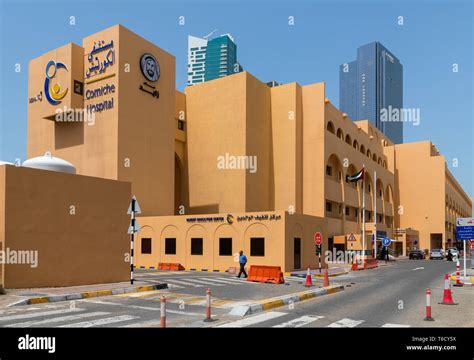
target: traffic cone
<point>447,297</point>
<point>458,275</point>
<point>326,278</point>
<point>309,281</point>
<point>354,263</point>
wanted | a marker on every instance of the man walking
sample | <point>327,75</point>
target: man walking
<point>242,262</point>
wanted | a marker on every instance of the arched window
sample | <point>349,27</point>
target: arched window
<point>374,157</point>
<point>369,153</point>
<point>355,145</point>
<point>362,149</point>
<point>339,134</point>
<point>330,127</point>
<point>348,139</point>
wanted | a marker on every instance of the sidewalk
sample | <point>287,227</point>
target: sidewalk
<point>333,270</point>
<point>15,297</point>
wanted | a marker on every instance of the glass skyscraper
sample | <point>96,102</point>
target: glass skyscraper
<point>371,87</point>
<point>211,59</point>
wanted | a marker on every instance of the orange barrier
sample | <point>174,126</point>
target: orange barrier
<point>370,264</point>
<point>266,274</point>
<point>170,266</point>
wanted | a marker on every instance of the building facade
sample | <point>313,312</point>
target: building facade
<point>227,165</point>
<point>211,59</point>
<point>371,87</point>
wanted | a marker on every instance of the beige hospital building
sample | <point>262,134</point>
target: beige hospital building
<point>230,164</point>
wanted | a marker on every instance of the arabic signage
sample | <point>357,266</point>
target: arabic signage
<point>465,229</point>
<point>230,218</point>
<point>100,58</point>
<point>259,217</point>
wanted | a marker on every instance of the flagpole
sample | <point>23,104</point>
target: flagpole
<point>363,217</point>
<point>375,214</point>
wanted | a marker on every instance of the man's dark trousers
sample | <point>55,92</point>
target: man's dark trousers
<point>242,270</point>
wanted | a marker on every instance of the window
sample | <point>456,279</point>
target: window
<point>356,212</point>
<point>257,246</point>
<point>146,245</point>
<point>328,170</point>
<point>328,206</point>
<point>170,246</point>
<point>196,246</point>
<point>348,211</point>
<point>225,246</point>
<point>181,125</point>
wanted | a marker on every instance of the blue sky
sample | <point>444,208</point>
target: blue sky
<point>435,35</point>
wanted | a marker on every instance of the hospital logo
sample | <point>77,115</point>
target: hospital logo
<point>53,92</point>
<point>150,67</point>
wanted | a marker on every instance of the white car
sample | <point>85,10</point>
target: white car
<point>454,252</point>
<point>436,254</point>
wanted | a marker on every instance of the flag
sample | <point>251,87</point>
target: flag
<point>356,177</point>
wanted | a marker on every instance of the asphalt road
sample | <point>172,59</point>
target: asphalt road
<point>392,296</point>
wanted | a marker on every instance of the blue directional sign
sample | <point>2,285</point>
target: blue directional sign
<point>386,241</point>
<point>465,229</point>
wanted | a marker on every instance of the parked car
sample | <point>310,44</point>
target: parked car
<point>436,254</point>
<point>454,252</point>
<point>416,254</point>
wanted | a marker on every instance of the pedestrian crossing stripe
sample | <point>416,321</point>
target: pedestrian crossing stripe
<point>345,323</point>
<point>99,322</point>
<point>38,314</point>
<point>299,322</point>
<point>57,319</point>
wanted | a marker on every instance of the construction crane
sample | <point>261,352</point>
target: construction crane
<point>208,35</point>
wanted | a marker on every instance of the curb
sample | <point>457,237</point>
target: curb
<point>462,278</point>
<point>185,270</point>
<point>303,276</point>
<point>279,301</point>
<point>89,294</point>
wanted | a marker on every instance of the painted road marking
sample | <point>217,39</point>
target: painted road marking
<point>58,319</point>
<point>389,325</point>
<point>227,282</point>
<point>202,282</point>
<point>418,268</point>
<point>299,322</point>
<point>38,314</point>
<point>253,320</point>
<point>239,280</point>
<point>182,282</point>
<point>345,323</point>
<point>99,322</point>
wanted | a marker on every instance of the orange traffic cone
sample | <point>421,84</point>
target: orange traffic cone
<point>354,263</point>
<point>447,297</point>
<point>309,281</point>
<point>326,278</point>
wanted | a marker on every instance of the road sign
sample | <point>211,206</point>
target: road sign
<point>134,226</point>
<point>351,237</point>
<point>318,238</point>
<point>386,241</point>
<point>465,228</point>
<point>134,208</point>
